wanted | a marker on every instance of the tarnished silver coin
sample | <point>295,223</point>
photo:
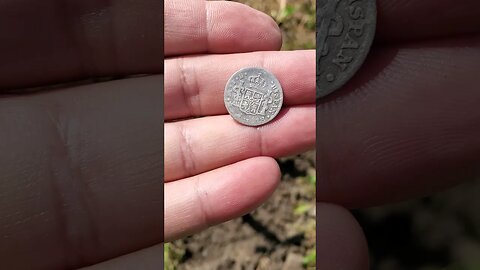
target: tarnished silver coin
<point>253,96</point>
<point>345,31</point>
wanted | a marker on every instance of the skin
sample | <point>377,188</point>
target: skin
<point>215,168</point>
<point>81,167</point>
<point>81,181</point>
<point>408,124</point>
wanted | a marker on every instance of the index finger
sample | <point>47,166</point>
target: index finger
<point>199,26</point>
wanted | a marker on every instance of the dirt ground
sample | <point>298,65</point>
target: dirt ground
<point>296,19</point>
<point>278,235</point>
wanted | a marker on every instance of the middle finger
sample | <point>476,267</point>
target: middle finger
<point>198,145</point>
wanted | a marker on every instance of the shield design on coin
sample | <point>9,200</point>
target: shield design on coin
<point>253,96</point>
<point>251,101</point>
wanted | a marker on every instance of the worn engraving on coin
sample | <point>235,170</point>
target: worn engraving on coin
<point>345,31</point>
<point>253,96</point>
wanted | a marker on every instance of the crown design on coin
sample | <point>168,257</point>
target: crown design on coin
<point>253,96</point>
<point>257,81</point>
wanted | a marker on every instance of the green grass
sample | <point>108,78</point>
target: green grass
<point>302,208</point>
<point>312,179</point>
<point>166,258</point>
<point>296,19</point>
<point>171,257</point>
<point>310,259</point>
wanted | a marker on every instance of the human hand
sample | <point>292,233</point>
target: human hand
<point>80,167</point>
<point>215,168</point>
<point>407,125</point>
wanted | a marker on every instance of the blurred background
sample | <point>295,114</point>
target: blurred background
<point>441,232</point>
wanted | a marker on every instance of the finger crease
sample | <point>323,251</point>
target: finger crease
<point>71,189</point>
<point>190,91</point>
<point>260,142</point>
<point>202,196</point>
<point>208,27</point>
<point>262,59</point>
<point>186,151</point>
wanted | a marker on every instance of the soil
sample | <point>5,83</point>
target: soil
<point>296,19</point>
<point>278,235</point>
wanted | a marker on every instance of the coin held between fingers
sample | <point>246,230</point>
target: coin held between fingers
<point>253,96</point>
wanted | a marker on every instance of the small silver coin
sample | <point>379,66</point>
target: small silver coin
<point>253,96</point>
<point>345,32</point>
